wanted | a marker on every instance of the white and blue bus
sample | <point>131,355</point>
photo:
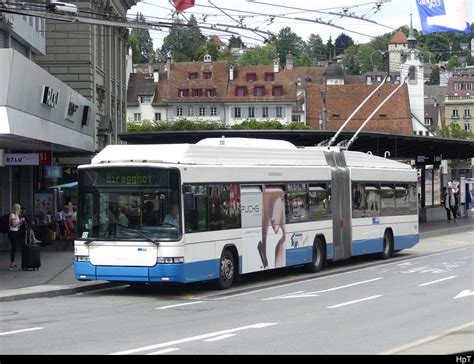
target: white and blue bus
<point>225,207</point>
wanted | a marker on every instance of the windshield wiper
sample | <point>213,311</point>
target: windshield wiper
<point>141,233</point>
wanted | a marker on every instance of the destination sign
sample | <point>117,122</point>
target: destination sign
<point>130,177</point>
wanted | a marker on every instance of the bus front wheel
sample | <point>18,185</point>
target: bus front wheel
<point>226,270</point>
<point>317,260</point>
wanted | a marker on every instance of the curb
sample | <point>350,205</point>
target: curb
<point>46,291</point>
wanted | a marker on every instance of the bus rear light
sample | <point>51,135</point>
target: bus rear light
<point>169,260</point>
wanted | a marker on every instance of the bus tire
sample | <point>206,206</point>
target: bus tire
<point>226,270</point>
<point>317,260</point>
<point>387,251</point>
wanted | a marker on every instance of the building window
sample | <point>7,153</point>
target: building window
<point>467,127</point>
<point>251,112</point>
<point>265,112</point>
<point>469,86</point>
<point>241,91</point>
<point>157,116</point>
<point>183,92</point>
<point>457,85</point>
<point>259,91</point>
<point>202,111</point>
<point>455,113</point>
<point>279,112</point>
<point>207,75</point>
<point>145,99</point>
<point>369,79</point>
<point>428,121</point>
<point>296,118</point>
<point>379,78</point>
<point>389,78</point>
<point>251,77</point>
<point>412,75</point>
<point>197,92</point>
<point>137,116</point>
<point>269,77</point>
<point>237,113</point>
<point>192,76</point>
<point>179,111</point>
<point>277,91</point>
<point>467,113</point>
<point>211,92</point>
<point>190,111</point>
<point>213,111</point>
<point>397,79</point>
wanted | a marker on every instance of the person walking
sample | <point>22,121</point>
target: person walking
<point>450,204</point>
<point>15,222</point>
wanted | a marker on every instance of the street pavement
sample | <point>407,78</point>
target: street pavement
<point>56,278</point>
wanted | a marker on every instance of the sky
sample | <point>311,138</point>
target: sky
<point>273,15</point>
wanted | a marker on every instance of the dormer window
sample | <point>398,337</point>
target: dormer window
<point>241,91</point>
<point>207,75</point>
<point>145,99</point>
<point>269,77</point>
<point>369,80</point>
<point>277,91</point>
<point>197,92</point>
<point>251,77</point>
<point>259,91</point>
<point>183,92</point>
<point>192,76</point>
<point>211,92</point>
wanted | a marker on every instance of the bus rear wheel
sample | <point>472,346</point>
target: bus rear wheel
<point>387,246</point>
<point>317,260</point>
<point>226,270</point>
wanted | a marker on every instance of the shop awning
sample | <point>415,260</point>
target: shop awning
<point>66,185</point>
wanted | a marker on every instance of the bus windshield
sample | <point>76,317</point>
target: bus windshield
<point>129,203</point>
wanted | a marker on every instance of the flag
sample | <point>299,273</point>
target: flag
<point>182,5</point>
<point>443,16</point>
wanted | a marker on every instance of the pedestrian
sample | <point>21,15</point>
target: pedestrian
<point>15,222</point>
<point>450,203</point>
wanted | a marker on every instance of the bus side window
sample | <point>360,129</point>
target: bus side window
<point>319,201</point>
<point>196,207</point>
<point>358,199</point>
<point>372,200</point>
<point>388,199</point>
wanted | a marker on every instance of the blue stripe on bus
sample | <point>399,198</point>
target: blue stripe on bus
<point>209,269</point>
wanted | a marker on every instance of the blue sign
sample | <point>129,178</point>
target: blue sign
<point>53,172</point>
<point>443,16</point>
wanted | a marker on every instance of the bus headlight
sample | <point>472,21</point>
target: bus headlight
<point>83,258</point>
<point>170,260</point>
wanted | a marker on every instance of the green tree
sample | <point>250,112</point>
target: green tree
<point>316,49</point>
<point>351,61</point>
<point>303,60</point>
<point>258,55</point>
<point>182,42</point>
<point>144,43</point>
<point>434,77</point>
<point>330,49</point>
<point>454,131</point>
<point>288,42</point>
<point>133,44</point>
<point>342,42</point>
<point>454,62</point>
<point>236,42</point>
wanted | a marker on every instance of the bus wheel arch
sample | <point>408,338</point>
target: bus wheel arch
<point>228,267</point>
<point>388,244</point>
<point>318,256</point>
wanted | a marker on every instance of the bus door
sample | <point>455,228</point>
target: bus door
<point>251,199</point>
<point>340,204</point>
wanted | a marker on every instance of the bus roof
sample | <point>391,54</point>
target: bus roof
<point>240,152</point>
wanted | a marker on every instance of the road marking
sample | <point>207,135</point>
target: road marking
<point>465,293</point>
<point>178,305</point>
<point>355,301</point>
<point>18,331</point>
<point>222,337</point>
<point>194,338</point>
<point>439,280</point>
<point>302,294</point>
<point>352,271</point>
<point>163,351</point>
<point>451,240</point>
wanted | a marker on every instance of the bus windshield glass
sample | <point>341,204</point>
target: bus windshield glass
<point>129,203</point>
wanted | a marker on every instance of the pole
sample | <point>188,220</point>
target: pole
<point>324,116</point>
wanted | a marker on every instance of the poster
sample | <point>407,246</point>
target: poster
<point>436,187</point>
<point>428,188</point>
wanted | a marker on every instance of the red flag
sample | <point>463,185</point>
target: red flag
<point>182,5</point>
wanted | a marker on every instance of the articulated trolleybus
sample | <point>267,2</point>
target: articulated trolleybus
<point>230,206</point>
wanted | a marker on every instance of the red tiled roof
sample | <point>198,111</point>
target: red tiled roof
<point>342,100</point>
<point>462,80</point>
<point>399,38</point>
<point>139,84</point>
